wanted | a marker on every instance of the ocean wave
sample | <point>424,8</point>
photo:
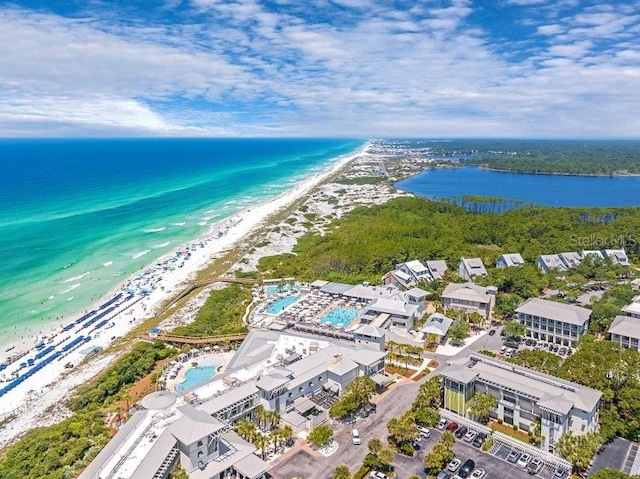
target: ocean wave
<point>162,245</point>
<point>69,265</point>
<point>76,278</point>
<point>70,298</point>
<point>155,230</point>
<point>230,202</point>
<point>202,223</point>
<point>108,263</point>
<point>71,288</point>
<point>140,254</point>
<point>182,223</point>
<point>51,297</point>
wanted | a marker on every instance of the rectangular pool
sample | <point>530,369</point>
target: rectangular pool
<point>340,316</point>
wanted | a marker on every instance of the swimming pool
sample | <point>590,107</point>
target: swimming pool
<point>198,375</point>
<point>340,316</point>
<point>278,306</point>
<point>274,288</point>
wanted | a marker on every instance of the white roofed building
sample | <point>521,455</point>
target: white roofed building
<point>509,260</point>
<point>617,256</point>
<point>437,268</point>
<point>552,321</point>
<point>625,330</point>
<point>469,297</point>
<point>438,325</point>
<point>523,395</point>
<point>470,268</point>
<point>550,262</point>
<point>407,275</point>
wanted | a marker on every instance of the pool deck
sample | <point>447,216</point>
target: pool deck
<point>203,360</point>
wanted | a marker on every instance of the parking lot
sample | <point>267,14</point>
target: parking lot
<point>494,462</point>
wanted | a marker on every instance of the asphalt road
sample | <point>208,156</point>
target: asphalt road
<point>302,464</point>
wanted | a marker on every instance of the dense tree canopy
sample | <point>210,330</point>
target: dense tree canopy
<point>367,242</point>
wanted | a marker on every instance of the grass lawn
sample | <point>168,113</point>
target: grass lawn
<point>509,431</point>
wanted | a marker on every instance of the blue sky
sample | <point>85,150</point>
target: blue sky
<point>347,68</point>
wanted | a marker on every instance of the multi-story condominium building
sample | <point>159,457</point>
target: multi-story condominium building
<point>524,397</point>
<point>508,260</point>
<point>409,274</point>
<point>470,298</point>
<point>470,268</point>
<point>625,330</point>
<point>553,322</point>
<point>279,371</point>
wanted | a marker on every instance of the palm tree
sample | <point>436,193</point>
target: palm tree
<point>261,441</point>
<point>274,438</point>
<point>260,414</point>
<point>274,418</point>
<point>386,457</point>
<point>246,429</point>
<point>286,433</point>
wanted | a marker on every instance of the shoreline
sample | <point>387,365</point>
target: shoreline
<point>221,237</point>
<point>502,170</point>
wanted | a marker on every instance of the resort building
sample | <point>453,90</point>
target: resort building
<point>617,256</point>
<point>282,372</point>
<point>509,260</point>
<point>437,268</point>
<point>571,259</point>
<point>470,268</point>
<point>470,298</point>
<point>370,336</point>
<point>406,275</point>
<point>633,309</point>
<point>524,397</point>
<point>625,330</point>
<point>384,313</point>
<point>437,325</point>
<point>553,322</point>
<point>594,253</point>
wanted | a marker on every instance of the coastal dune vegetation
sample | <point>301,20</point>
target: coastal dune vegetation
<point>367,242</point>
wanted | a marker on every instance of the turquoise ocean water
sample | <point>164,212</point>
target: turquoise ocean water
<point>79,216</point>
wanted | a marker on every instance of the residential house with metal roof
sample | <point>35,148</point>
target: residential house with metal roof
<point>509,260</point>
<point>625,330</point>
<point>470,268</point>
<point>524,396</point>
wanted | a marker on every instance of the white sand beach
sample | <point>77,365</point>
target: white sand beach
<point>46,389</point>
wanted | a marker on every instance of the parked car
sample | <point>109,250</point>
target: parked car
<point>467,468</point>
<point>378,475</point>
<point>452,426</point>
<point>524,460</point>
<point>454,465</point>
<point>492,332</point>
<point>442,424</point>
<point>470,435</point>
<point>513,456</point>
<point>535,466</point>
<point>460,432</point>
<point>478,474</point>
<point>503,349</point>
<point>562,351</point>
<point>424,431</point>
<point>560,473</point>
<point>479,440</point>
<point>445,475</point>
<point>355,437</point>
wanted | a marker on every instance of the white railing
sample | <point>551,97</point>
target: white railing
<point>504,439</point>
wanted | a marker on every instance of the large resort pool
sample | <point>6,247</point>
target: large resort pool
<point>198,375</point>
<point>278,306</point>
<point>340,316</point>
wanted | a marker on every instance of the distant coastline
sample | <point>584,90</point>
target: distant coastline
<point>615,174</point>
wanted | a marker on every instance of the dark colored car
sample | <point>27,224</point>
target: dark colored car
<point>467,468</point>
<point>492,332</point>
<point>452,426</point>
<point>511,344</point>
<point>460,432</point>
<point>479,440</point>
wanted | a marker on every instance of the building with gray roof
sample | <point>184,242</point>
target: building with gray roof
<point>437,268</point>
<point>625,330</point>
<point>438,325</point>
<point>524,396</point>
<point>509,260</point>
<point>469,297</point>
<point>470,268</point>
<point>552,321</point>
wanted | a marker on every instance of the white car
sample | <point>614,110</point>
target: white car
<point>478,474</point>
<point>524,460</point>
<point>470,435</point>
<point>442,424</point>
<point>454,465</point>
<point>355,437</point>
<point>378,475</point>
<point>424,432</point>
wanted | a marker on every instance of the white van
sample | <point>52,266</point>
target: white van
<point>424,432</point>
